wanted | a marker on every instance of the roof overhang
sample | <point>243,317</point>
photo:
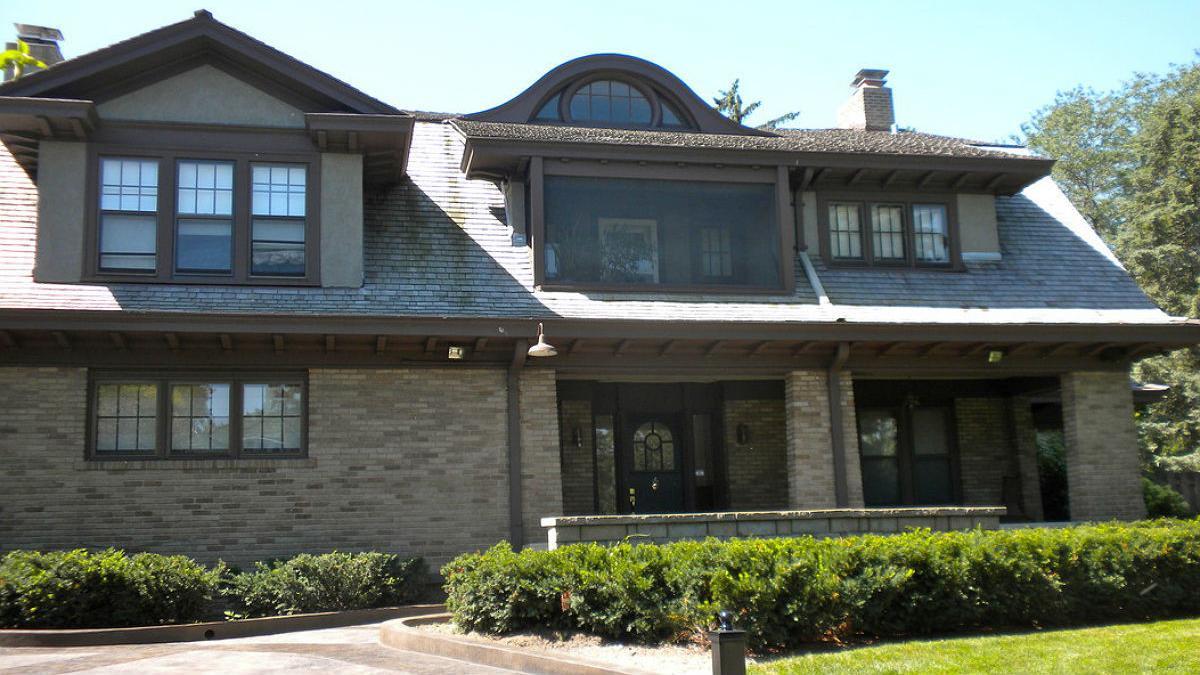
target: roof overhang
<point>383,140</point>
<point>26,122</point>
<point>491,158</point>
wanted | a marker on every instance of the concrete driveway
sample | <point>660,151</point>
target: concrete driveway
<point>354,649</point>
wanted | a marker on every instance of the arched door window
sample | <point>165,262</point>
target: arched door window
<point>653,447</point>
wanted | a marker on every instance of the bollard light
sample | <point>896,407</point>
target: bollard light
<point>728,646</point>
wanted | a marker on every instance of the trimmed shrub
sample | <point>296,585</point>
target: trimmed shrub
<point>95,589</point>
<point>1163,501</point>
<point>787,592</point>
<point>325,583</point>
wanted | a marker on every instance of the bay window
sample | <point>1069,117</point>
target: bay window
<point>629,233</point>
<point>887,230</point>
<point>224,219</point>
<point>197,416</point>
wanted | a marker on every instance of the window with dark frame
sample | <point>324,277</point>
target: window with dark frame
<point>905,455</point>
<point>888,232</point>
<point>128,238</point>
<point>224,218</point>
<point>171,417</point>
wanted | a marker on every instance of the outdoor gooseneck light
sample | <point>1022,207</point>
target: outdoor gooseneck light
<point>542,348</point>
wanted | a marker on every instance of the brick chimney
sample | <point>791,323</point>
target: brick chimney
<point>43,45</point>
<point>870,106</point>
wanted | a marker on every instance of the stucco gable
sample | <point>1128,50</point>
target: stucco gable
<point>206,95</point>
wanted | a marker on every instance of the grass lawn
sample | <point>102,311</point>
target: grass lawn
<point>1163,646</point>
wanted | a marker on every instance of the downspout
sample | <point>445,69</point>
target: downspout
<point>516,526</point>
<point>836,431</point>
<point>813,279</point>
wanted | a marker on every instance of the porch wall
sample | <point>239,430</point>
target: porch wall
<point>756,470</point>
<point>541,473</point>
<point>578,467</point>
<point>996,443</point>
<point>1103,467</point>
<point>405,460</point>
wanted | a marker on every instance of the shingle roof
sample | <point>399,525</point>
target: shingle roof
<point>909,143</point>
<point>436,245</point>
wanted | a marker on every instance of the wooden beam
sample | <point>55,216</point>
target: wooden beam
<point>77,129</point>
<point>352,141</point>
<point>807,179</point>
<point>330,343</point>
<point>924,179</point>
<point>1056,349</point>
<point>995,180</point>
<point>856,176</point>
<point>322,139</point>
<point>62,339</point>
<point>760,348</point>
<point>1148,348</point>
<point>8,340</point>
<point>277,341</point>
<point>979,348</point>
<point>172,341</point>
<point>819,174</point>
<point>480,345</point>
<point>929,349</point>
<point>226,342</point>
<point>118,340</point>
<point>380,343</point>
<point>889,178</point>
<point>714,347</point>
<point>960,180</point>
<point>668,347</point>
<point>576,346</point>
<point>621,347</point>
<point>890,348</point>
<point>1099,348</point>
<point>43,125</point>
<point>430,345</point>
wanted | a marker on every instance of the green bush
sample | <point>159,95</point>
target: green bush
<point>1163,501</point>
<point>92,589</point>
<point>786,592</point>
<point>325,583</point>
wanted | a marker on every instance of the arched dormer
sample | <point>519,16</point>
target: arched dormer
<point>613,90</point>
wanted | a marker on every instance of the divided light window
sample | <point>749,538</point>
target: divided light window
<point>624,232</point>
<point>888,232</point>
<point>250,416</point>
<point>223,219</point>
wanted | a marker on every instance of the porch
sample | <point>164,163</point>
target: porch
<point>760,457</point>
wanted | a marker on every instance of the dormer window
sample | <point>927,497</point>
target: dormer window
<point>888,230</point>
<point>608,102</point>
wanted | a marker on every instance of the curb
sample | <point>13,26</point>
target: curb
<point>403,634</point>
<point>199,632</point>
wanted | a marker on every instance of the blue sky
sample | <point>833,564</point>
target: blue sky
<point>971,69</point>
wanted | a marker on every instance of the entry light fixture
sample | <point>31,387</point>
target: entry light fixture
<point>542,348</point>
<point>456,353</point>
<point>995,356</point>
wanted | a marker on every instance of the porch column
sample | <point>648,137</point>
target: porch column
<point>1025,447</point>
<point>810,447</point>
<point>541,474</point>
<point>1103,468</point>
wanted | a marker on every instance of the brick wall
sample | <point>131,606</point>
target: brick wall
<point>757,470</point>
<point>578,469</point>
<point>984,448</point>
<point>1103,468</point>
<point>810,450</point>
<point>409,460</point>
<point>541,475</point>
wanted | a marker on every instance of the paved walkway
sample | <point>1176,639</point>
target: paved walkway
<point>354,650</point>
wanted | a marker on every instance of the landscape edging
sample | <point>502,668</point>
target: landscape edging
<point>209,630</point>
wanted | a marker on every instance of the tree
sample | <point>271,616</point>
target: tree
<point>19,59</point>
<point>1130,161</point>
<point>729,103</point>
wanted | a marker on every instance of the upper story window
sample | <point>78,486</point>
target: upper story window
<point>612,102</point>
<point>914,231</point>
<point>623,232</point>
<point>224,219</point>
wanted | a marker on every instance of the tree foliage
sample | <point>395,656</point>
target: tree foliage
<point>730,104</point>
<point>19,59</point>
<point>1130,161</point>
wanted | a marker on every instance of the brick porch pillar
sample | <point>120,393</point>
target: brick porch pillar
<point>1103,468</point>
<point>810,465</point>
<point>541,474</point>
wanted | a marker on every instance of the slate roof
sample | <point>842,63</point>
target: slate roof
<point>437,246</point>
<point>909,143</point>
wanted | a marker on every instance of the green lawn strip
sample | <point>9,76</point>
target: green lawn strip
<point>1162,646</point>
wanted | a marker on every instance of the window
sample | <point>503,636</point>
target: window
<point>610,101</point>
<point>191,416</point>
<point>638,232</point>
<point>204,217</point>
<point>277,235</point>
<point>128,214</point>
<point>887,232</point>
<point>653,448</point>
<point>225,220</point>
<point>906,455</point>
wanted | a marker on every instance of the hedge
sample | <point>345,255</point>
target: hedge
<point>787,592</point>
<point>323,583</point>
<point>109,589</point>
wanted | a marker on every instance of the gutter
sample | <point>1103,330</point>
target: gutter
<point>836,424</point>
<point>516,527</point>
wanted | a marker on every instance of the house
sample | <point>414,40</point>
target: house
<point>248,310</point>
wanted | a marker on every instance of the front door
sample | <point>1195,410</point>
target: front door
<point>652,453</point>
